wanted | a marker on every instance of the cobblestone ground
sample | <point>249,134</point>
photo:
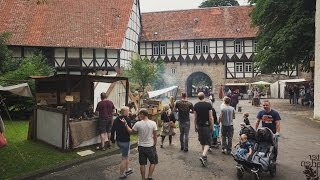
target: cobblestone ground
<point>300,137</point>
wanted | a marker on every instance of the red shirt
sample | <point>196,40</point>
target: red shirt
<point>105,109</point>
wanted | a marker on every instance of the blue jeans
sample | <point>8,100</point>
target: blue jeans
<point>184,134</point>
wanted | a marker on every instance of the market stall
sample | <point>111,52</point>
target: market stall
<point>279,88</point>
<point>64,113</point>
<point>242,88</point>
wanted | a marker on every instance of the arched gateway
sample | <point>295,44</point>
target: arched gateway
<point>198,81</point>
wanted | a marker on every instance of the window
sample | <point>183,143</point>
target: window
<point>237,46</point>
<point>155,48</point>
<point>248,67</point>
<point>159,48</point>
<point>173,71</point>
<point>255,46</point>
<point>239,67</point>
<point>197,47</point>
<point>205,47</point>
<point>163,48</point>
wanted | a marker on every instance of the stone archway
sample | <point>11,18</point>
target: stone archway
<point>198,80</point>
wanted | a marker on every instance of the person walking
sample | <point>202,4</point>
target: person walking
<point>203,121</point>
<point>296,91</point>
<point>104,110</point>
<point>234,100</point>
<point>226,118</point>
<point>168,122</point>
<point>147,131</point>
<point>184,107</point>
<point>291,95</point>
<point>271,119</point>
<point>122,140</point>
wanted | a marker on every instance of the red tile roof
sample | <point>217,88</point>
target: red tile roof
<point>221,22</point>
<point>66,23</point>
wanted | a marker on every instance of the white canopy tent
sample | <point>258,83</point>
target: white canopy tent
<point>156,93</point>
<point>278,88</point>
<point>261,83</point>
<point>19,89</point>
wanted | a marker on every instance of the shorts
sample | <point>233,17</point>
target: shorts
<point>105,125</point>
<point>147,153</point>
<point>124,148</point>
<point>205,135</point>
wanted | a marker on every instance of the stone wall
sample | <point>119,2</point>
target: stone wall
<point>183,71</point>
<point>317,66</point>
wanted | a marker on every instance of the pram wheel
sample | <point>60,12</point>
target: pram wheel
<point>273,169</point>
<point>240,173</point>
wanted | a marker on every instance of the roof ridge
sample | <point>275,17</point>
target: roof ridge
<point>206,8</point>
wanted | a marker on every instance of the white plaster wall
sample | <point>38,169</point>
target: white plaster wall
<point>130,43</point>
<point>317,66</point>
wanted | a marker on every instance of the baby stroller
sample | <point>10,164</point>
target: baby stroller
<point>263,158</point>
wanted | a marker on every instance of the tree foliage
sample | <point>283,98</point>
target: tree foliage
<point>35,65</point>
<point>143,72</point>
<point>286,33</point>
<point>217,3</point>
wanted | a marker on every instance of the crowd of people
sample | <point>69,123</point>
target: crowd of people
<point>206,122</point>
<point>305,93</point>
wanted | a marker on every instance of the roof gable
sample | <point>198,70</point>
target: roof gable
<point>218,22</point>
<point>66,23</point>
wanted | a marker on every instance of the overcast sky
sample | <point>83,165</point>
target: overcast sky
<point>163,5</point>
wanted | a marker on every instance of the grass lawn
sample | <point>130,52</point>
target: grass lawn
<point>21,156</point>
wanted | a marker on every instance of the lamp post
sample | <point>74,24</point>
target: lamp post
<point>312,65</point>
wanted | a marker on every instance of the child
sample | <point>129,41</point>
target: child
<point>246,118</point>
<point>245,149</point>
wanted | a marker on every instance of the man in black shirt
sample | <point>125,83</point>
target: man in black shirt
<point>203,122</point>
<point>123,140</point>
<point>184,107</point>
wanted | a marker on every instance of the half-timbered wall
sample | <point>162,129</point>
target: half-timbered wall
<point>75,60</point>
<point>236,54</point>
<point>130,43</point>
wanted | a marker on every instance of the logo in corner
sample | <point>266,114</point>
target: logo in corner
<point>312,166</point>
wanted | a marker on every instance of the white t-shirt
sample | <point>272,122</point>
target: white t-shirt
<point>145,128</point>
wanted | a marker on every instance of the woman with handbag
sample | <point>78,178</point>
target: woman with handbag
<point>168,124</point>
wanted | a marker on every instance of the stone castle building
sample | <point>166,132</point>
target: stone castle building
<point>218,42</point>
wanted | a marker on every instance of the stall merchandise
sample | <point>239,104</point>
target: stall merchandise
<point>64,112</point>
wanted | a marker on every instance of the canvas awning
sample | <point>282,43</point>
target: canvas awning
<point>261,83</point>
<point>19,89</point>
<point>153,94</point>
<point>237,84</point>
<point>292,80</point>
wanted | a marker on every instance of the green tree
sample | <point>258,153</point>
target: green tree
<point>286,33</point>
<point>143,72</point>
<point>32,66</point>
<point>217,3</point>
<point>7,63</point>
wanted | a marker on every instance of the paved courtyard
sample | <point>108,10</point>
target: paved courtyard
<point>300,137</point>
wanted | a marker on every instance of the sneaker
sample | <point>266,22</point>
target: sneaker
<point>100,148</point>
<point>210,150</point>
<point>181,148</point>
<point>130,171</point>
<point>224,151</point>
<point>203,160</point>
<point>161,146</point>
<point>123,177</point>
